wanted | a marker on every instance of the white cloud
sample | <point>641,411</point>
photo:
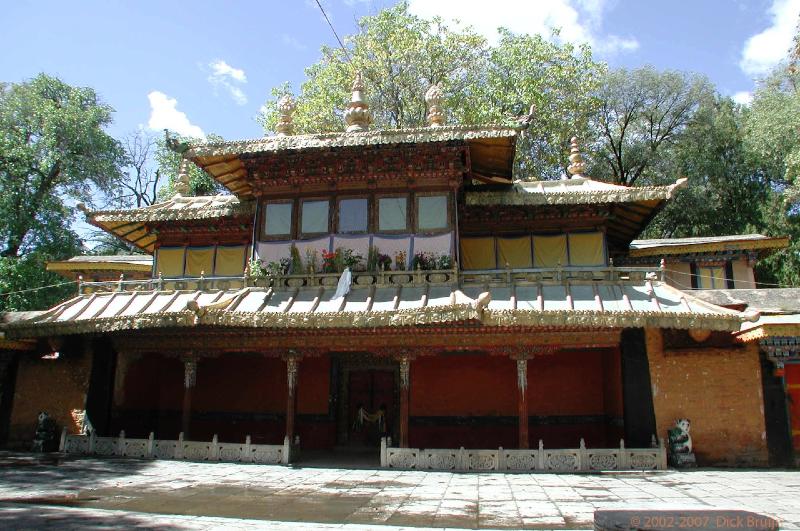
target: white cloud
<point>762,51</point>
<point>579,21</point>
<point>225,76</point>
<point>743,97</point>
<point>164,114</point>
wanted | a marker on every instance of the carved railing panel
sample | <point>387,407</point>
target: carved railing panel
<point>488,277</point>
<point>551,460</point>
<point>152,448</point>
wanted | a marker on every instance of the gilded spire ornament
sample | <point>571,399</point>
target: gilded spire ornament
<point>576,165</point>
<point>357,113</point>
<point>286,107</point>
<point>182,183</point>
<point>433,98</point>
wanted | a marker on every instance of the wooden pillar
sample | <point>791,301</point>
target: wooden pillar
<point>291,400</point>
<point>522,401</point>
<point>404,398</point>
<point>189,381</point>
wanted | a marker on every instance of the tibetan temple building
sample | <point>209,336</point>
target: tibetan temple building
<point>400,292</point>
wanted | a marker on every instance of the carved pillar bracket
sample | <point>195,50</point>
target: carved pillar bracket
<point>405,365</point>
<point>404,357</point>
<point>522,374</point>
<point>291,374</point>
<point>189,373</point>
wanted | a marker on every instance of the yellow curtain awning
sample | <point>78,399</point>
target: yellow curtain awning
<point>586,249</point>
<point>169,261</point>
<point>230,261</point>
<point>550,251</point>
<point>516,252</point>
<point>478,253</point>
<point>199,260</point>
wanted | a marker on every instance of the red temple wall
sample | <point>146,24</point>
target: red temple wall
<point>576,393</point>
<point>235,396</point>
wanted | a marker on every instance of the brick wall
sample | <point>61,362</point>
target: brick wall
<point>57,386</point>
<point>719,390</point>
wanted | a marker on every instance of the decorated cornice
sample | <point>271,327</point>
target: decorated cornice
<point>567,193</point>
<point>178,209</point>
<point>743,244</point>
<point>414,135</point>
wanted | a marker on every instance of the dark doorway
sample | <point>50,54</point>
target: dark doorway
<point>370,383</point>
<point>369,403</point>
<point>776,415</point>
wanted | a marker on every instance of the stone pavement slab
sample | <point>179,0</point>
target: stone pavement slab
<point>180,494</point>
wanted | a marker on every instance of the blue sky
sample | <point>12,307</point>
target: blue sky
<point>206,67</point>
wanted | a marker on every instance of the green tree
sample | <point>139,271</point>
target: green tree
<point>54,151</point>
<point>52,146</point>
<point>726,188</point>
<point>401,55</point>
<point>643,114</point>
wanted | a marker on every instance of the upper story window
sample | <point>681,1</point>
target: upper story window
<point>314,216</point>
<point>432,212</point>
<point>711,277</point>
<point>353,215</point>
<point>278,219</point>
<point>393,214</point>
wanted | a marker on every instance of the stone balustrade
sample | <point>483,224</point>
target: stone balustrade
<point>581,459</point>
<point>152,448</point>
<point>490,277</point>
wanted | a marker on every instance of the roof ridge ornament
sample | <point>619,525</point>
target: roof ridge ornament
<point>182,183</point>
<point>286,108</point>
<point>576,165</point>
<point>357,114</point>
<point>433,98</point>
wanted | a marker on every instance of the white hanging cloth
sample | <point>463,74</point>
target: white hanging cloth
<point>343,288</point>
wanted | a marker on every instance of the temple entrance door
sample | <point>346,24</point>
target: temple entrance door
<point>371,396</point>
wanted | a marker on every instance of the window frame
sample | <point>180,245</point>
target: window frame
<point>263,221</point>
<point>377,203</point>
<point>447,194</point>
<point>302,201</point>
<point>338,203</point>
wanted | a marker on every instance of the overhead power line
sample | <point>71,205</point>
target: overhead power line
<point>334,31</point>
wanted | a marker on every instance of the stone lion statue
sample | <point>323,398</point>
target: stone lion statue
<point>680,444</point>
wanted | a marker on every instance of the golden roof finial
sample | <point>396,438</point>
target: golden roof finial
<point>576,165</point>
<point>182,182</point>
<point>286,107</point>
<point>357,113</point>
<point>434,97</point>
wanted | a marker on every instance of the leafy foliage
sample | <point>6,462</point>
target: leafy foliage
<point>643,114</point>
<point>52,147</point>
<point>401,55</point>
<point>53,151</point>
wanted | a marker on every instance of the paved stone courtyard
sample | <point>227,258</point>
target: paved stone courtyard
<point>84,492</point>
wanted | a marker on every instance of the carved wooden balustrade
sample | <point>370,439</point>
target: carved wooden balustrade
<point>455,277</point>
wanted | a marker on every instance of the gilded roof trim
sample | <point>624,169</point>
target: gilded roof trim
<point>178,209</point>
<point>366,138</point>
<point>521,196</point>
<point>704,247</point>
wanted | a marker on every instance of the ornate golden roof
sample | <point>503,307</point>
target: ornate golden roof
<point>588,304</point>
<point>706,244</point>
<point>131,224</point>
<point>492,147</point>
